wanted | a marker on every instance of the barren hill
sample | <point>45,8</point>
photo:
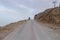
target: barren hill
<point>51,17</point>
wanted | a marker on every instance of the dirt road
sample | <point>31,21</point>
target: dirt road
<point>31,30</point>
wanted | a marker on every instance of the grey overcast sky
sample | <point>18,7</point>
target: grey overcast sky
<point>15,10</point>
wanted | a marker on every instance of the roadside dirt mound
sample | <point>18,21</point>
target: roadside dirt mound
<point>4,31</point>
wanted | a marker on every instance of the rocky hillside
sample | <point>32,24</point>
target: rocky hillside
<point>51,15</point>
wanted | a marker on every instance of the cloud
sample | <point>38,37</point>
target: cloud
<point>13,10</point>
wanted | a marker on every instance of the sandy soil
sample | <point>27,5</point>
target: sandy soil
<point>9,28</point>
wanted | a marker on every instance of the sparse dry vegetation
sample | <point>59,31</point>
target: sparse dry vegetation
<point>4,31</point>
<point>50,17</point>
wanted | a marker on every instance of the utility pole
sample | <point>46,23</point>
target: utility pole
<point>54,2</point>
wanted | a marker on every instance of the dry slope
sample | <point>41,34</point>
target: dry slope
<point>50,16</point>
<point>9,28</point>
